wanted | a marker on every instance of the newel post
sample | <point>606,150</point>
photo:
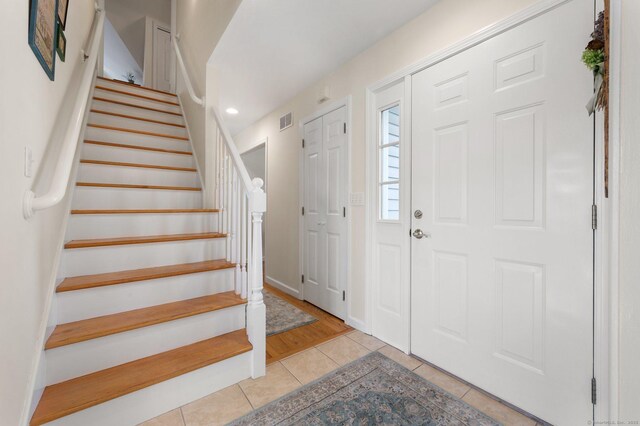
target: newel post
<point>256,310</point>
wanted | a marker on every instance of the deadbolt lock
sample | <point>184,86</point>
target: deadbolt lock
<point>417,214</point>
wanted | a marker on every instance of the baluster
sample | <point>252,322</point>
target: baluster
<point>235,232</point>
<point>243,242</point>
<point>256,311</point>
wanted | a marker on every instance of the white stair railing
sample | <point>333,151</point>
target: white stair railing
<point>242,203</point>
<point>60,179</point>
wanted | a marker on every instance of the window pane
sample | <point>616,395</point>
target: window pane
<point>390,201</point>
<point>390,126</point>
<point>390,163</point>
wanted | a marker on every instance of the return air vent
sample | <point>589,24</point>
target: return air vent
<point>286,121</point>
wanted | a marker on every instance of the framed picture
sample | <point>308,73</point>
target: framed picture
<point>63,8</point>
<point>61,45</point>
<point>42,33</point>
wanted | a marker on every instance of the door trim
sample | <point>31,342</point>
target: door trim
<point>606,272</point>
<point>324,110</point>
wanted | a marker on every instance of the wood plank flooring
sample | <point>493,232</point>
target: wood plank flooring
<point>290,342</point>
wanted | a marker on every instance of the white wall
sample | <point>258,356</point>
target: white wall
<point>444,24</point>
<point>629,373</point>
<point>32,109</point>
<point>200,24</point>
<point>128,18</point>
<point>118,61</point>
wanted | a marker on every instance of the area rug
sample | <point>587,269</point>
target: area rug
<point>283,316</point>
<point>373,390</point>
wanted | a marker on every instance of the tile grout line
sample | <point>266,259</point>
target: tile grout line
<point>246,397</point>
<point>184,422</point>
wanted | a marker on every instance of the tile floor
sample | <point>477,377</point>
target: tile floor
<point>290,373</point>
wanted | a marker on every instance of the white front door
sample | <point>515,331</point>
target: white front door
<point>325,223</point>
<point>502,169</point>
<point>161,59</point>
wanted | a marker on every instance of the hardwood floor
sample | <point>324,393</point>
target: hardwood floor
<point>290,342</point>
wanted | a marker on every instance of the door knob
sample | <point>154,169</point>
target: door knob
<point>419,234</point>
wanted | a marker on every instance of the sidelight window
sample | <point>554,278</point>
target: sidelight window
<point>389,163</point>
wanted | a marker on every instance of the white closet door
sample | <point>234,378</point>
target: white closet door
<point>325,223</point>
<point>502,169</point>
<point>162,59</point>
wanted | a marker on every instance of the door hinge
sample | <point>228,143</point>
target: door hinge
<point>303,143</point>
<point>302,278</point>
<point>593,390</point>
<point>344,212</point>
<point>345,128</point>
<point>344,295</point>
<point>594,217</point>
<point>303,211</point>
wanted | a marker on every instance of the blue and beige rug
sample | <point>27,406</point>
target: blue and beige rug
<point>283,316</point>
<point>373,390</point>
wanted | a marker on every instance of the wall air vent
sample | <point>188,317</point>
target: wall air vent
<point>286,121</point>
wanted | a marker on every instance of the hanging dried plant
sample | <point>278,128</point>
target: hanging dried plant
<point>594,57</point>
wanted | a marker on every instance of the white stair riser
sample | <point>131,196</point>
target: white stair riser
<point>147,403</point>
<point>88,226</point>
<point>94,302</point>
<point>136,175</point>
<point>136,90</point>
<point>114,136</point>
<point>105,94</point>
<point>98,260</point>
<point>140,125</point>
<point>78,359</point>
<point>128,155</point>
<point>121,198</point>
<point>136,112</point>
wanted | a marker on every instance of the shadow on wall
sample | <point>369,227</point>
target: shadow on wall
<point>119,63</point>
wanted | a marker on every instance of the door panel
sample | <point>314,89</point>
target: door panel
<point>502,169</point>
<point>325,224</point>
<point>162,60</point>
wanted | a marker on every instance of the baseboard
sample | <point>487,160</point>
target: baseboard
<point>282,286</point>
<point>358,324</point>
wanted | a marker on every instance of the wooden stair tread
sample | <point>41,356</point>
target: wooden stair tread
<point>93,328</point>
<point>138,132</point>
<point>130,186</point>
<point>138,165</point>
<point>103,242</point>
<point>101,99</point>
<point>134,275</point>
<point>144,211</point>
<point>131,117</point>
<point>136,95</point>
<point>137,86</point>
<point>143,148</point>
<point>77,394</point>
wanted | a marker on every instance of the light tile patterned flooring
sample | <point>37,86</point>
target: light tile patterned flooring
<point>290,373</point>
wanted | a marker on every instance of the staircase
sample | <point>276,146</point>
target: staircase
<point>154,311</point>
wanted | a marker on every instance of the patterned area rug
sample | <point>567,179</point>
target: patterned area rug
<point>283,316</point>
<point>373,390</point>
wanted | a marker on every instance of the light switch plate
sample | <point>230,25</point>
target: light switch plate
<point>357,199</point>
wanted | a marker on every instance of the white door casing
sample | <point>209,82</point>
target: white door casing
<point>391,246</point>
<point>161,59</point>
<point>503,172</point>
<point>325,200</point>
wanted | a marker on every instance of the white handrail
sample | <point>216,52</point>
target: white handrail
<point>62,173</point>
<point>185,74</point>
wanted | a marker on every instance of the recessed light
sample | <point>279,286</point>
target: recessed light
<point>232,111</point>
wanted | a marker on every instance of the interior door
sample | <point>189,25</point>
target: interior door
<point>162,59</point>
<point>325,201</point>
<point>502,168</point>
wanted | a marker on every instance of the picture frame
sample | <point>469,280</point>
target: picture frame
<point>61,44</point>
<point>63,10</point>
<point>43,25</point>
